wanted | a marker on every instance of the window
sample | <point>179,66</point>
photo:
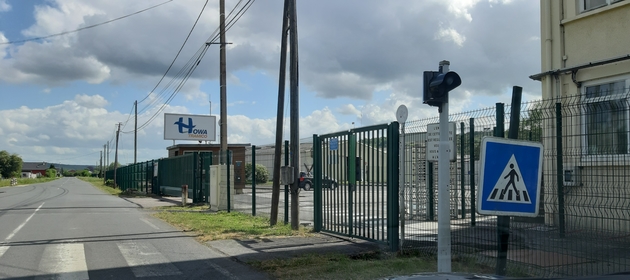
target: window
<point>606,118</point>
<point>587,5</point>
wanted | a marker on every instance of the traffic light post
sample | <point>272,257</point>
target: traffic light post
<point>435,93</point>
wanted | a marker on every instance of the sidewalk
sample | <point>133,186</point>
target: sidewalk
<point>271,248</point>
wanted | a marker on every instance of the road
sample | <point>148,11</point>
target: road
<point>68,229</point>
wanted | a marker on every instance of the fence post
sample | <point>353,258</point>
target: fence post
<point>195,169</point>
<point>461,164</point>
<point>503,222</point>
<point>317,174</point>
<point>472,172</point>
<point>286,187</point>
<point>253,180</point>
<point>431,206</point>
<point>559,169</point>
<point>393,186</point>
<point>229,193</point>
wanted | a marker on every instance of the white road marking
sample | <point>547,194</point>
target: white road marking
<point>64,261</point>
<point>149,223</point>
<point>3,249</point>
<point>23,224</point>
<point>146,261</point>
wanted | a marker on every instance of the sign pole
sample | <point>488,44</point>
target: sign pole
<point>503,222</point>
<point>401,116</point>
<point>444,216</point>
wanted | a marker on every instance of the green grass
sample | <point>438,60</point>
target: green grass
<point>25,181</point>
<point>371,265</point>
<point>98,183</point>
<point>209,226</point>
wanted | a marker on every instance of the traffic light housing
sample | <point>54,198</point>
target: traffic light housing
<point>437,85</point>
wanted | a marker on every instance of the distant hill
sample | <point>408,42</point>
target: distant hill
<point>65,167</point>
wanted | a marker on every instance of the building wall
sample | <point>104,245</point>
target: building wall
<point>572,37</point>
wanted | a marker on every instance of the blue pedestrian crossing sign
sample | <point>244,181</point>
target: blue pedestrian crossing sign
<point>510,176</point>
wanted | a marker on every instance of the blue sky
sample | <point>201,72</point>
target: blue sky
<point>61,97</point>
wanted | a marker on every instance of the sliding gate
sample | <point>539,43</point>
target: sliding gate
<point>356,183</point>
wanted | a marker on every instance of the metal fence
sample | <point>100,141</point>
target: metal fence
<point>134,177</point>
<point>256,199</point>
<point>356,183</point>
<point>583,226</point>
<point>188,169</point>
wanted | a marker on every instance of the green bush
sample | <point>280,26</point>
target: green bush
<point>262,174</point>
<point>51,173</point>
<point>109,183</point>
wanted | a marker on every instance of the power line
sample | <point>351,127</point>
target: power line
<point>191,66</point>
<point>178,52</point>
<point>82,28</point>
<point>129,117</point>
<point>203,48</point>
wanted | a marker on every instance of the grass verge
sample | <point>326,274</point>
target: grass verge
<point>98,183</point>
<point>208,226</point>
<point>370,265</point>
<point>26,181</point>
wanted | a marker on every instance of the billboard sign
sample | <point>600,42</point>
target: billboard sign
<point>189,127</point>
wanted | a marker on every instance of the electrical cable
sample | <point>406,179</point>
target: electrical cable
<point>82,28</point>
<point>196,60</point>
<point>178,52</point>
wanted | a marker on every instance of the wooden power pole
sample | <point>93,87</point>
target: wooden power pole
<point>275,191</point>
<point>116,154</point>
<point>295,117</point>
<point>135,135</point>
<point>222,83</point>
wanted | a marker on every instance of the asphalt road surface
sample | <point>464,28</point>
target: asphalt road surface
<point>68,229</point>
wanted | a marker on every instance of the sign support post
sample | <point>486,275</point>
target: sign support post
<point>444,215</point>
<point>503,222</point>
<point>436,87</point>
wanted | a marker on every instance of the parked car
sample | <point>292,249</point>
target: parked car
<point>306,182</point>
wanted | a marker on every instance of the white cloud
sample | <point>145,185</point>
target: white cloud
<point>450,34</point>
<point>349,109</point>
<point>4,6</point>
<point>93,101</point>
<point>76,127</point>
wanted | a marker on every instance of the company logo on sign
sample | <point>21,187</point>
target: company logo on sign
<point>192,132</point>
<point>189,127</point>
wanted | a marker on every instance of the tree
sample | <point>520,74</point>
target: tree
<point>51,173</point>
<point>262,174</point>
<point>111,166</point>
<point>10,165</point>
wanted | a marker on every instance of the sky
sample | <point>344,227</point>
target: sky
<point>61,97</point>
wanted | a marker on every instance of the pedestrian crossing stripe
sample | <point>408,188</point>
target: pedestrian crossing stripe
<point>68,261</point>
<point>510,187</point>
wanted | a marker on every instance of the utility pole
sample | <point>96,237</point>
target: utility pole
<point>135,136</point>
<point>104,163</point>
<point>107,156</point>
<point>100,171</point>
<point>275,191</point>
<point>222,81</point>
<point>116,154</point>
<point>295,117</point>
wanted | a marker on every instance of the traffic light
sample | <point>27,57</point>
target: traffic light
<point>437,85</point>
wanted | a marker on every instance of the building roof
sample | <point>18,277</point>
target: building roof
<point>30,166</point>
